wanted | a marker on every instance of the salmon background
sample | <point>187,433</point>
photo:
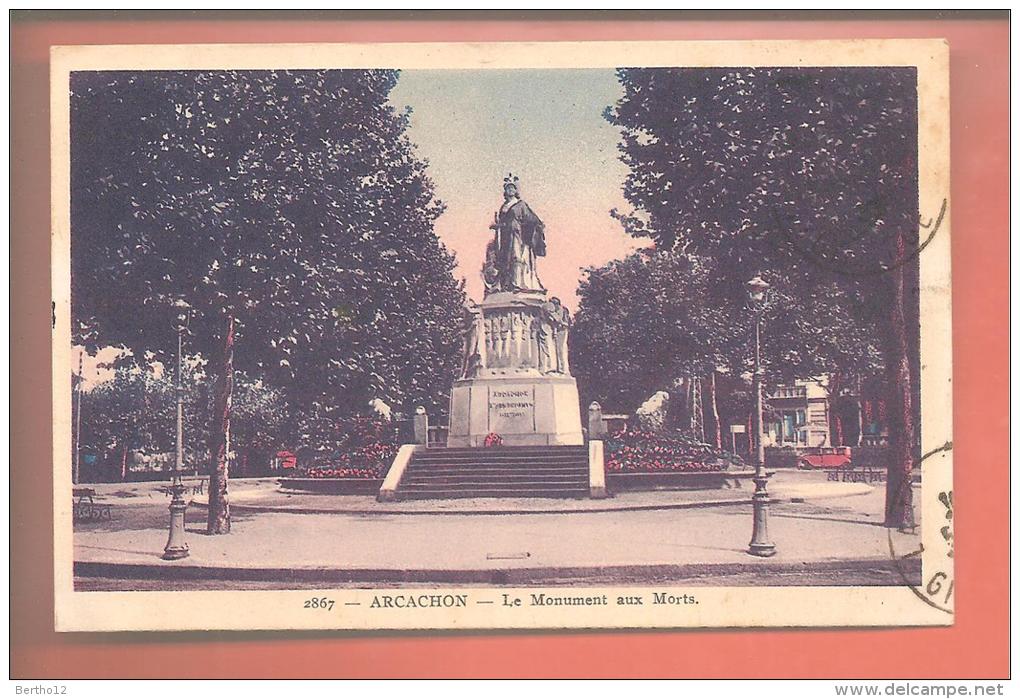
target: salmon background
<point>976,647</point>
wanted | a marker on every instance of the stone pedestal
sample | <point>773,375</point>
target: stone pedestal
<point>542,410</point>
<point>516,381</point>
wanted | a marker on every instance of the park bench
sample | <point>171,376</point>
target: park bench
<point>197,489</point>
<point>862,474</point>
<point>82,493</point>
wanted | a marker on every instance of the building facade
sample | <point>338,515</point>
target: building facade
<point>799,415</point>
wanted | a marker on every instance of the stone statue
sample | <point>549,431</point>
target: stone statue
<point>472,346</point>
<point>515,380</point>
<point>520,239</point>
<point>546,339</point>
<point>561,326</point>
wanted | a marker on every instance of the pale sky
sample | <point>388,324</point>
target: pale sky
<point>546,127</point>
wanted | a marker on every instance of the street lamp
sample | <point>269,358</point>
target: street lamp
<point>176,548</point>
<point>757,288</point>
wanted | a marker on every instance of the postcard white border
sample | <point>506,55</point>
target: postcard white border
<point>718,606</point>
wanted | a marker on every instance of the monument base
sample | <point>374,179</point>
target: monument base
<point>524,410</point>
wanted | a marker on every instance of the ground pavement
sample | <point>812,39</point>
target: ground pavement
<point>825,533</point>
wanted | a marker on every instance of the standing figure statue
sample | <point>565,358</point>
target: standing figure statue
<point>520,239</point>
<point>553,329</point>
<point>546,339</point>
<point>472,344</point>
<point>561,326</point>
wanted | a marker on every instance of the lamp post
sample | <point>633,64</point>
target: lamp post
<point>757,289</point>
<point>76,469</point>
<point>176,548</point>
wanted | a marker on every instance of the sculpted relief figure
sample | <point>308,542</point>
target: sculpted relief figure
<point>520,239</point>
<point>553,337</point>
<point>546,340</point>
<point>561,326</point>
<point>472,344</point>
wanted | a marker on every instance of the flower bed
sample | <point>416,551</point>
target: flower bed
<point>374,472</point>
<point>364,448</point>
<point>639,451</point>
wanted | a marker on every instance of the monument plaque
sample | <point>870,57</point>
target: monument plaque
<point>511,409</point>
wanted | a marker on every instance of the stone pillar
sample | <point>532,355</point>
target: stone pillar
<point>596,427</point>
<point>421,426</point>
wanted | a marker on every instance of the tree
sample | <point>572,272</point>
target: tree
<point>641,325</point>
<point>656,317</point>
<point>135,410</point>
<point>289,205</point>
<point>807,176</point>
<point>130,412</point>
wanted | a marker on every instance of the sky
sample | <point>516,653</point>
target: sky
<point>546,127</point>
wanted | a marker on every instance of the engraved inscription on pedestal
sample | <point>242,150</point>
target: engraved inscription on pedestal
<point>511,409</point>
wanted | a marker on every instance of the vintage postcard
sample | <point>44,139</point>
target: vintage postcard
<point>493,336</point>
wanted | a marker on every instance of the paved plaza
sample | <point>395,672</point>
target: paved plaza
<point>825,533</point>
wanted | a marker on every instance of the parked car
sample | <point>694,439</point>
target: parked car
<point>824,457</point>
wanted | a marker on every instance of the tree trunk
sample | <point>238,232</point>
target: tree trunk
<point>899,500</point>
<point>715,413</point>
<point>860,413</point>
<point>219,506</point>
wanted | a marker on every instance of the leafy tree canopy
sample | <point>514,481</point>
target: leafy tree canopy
<point>801,175</point>
<point>291,200</point>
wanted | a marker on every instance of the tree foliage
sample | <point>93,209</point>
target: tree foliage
<point>807,167</point>
<point>654,317</point>
<point>803,175</point>
<point>807,176</point>
<point>135,411</point>
<point>290,200</point>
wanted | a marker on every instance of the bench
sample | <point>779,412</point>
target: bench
<point>865,474</point>
<point>84,493</point>
<point>198,489</point>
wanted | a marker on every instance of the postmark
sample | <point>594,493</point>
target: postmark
<point>911,247</point>
<point>938,582</point>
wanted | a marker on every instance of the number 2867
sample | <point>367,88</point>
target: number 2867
<point>319,603</point>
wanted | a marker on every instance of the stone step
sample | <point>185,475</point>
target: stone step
<point>575,477</point>
<point>440,494</point>
<point>497,453</point>
<point>502,459</point>
<point>484,483</point>
<point>509,495</point>
<point>497,465</point>
<point>485,486</point>
<point>486,454</point>
<point>496,470</point>
<point>515,447</point>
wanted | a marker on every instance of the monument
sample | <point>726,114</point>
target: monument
<point>515,380</point>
